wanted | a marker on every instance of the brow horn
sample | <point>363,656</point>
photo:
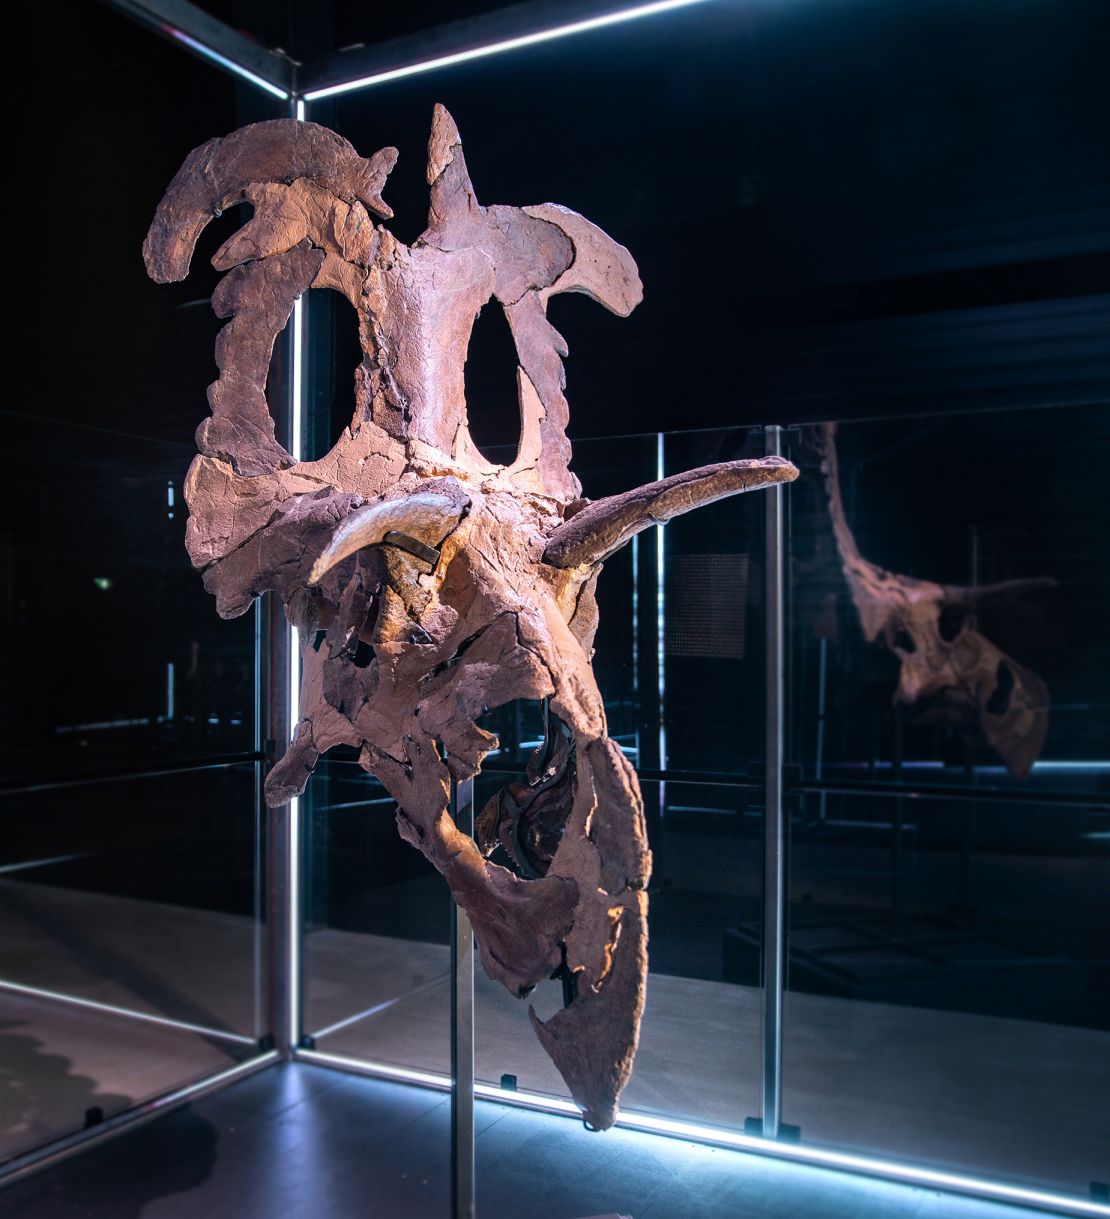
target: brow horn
<point>603,527</point>
<point>426,517</point>
<point>971,597</point>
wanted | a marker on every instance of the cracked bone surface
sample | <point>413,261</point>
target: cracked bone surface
<point>948,665</point>
<point>467,584</point>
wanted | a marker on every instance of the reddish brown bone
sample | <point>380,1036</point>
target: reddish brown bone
<point>427,584</point>
<point>972,682</point>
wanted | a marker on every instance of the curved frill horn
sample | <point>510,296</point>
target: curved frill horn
<point>217,174</point>
<point>600,529</point>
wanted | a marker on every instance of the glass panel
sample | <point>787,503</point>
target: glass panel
<point>118,900</point>
<point>975,504</point>
<point>698,1058</point>
<point>134,893</point>
<point>376,956</point>
<point>949,984</point>
<point>949,953</point>
<point>377,928</point>
<point>117,658</point>
<point>712,628</point>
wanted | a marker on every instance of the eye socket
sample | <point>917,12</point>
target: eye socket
<point>492,407</point>
<point>333,353</point>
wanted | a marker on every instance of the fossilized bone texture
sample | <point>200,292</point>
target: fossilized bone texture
<point>428,584</point>
<point>946,663</point>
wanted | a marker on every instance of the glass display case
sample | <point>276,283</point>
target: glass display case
<point>899,937</point>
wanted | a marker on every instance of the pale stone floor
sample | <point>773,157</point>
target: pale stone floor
<point>1005,1099</point>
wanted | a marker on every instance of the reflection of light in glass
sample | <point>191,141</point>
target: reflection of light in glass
<point>1071,765</point>
<point>816,1157</point>
<point>102,582</point>
<point>111,1009</point>
<point>222,61</point>
<point>509,44</point>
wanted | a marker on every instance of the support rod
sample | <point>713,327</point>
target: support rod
<point>774,888</point>
<point>462,1031</point>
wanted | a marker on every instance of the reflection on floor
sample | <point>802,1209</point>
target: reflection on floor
<point>59,1061</point>
<point>62,1068</point>
<point>1015,1100</point>
<point>305,1143</point>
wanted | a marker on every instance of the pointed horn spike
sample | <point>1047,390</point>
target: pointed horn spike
<point>971,596</point>
<point>602,528</point>
<point>425,516</point>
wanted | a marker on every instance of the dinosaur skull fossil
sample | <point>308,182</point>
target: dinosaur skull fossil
<point>945,662</point>
<point>428,584</point>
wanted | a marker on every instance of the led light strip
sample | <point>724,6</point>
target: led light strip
<point>293,845</point>
<point>509,44</point>
<point>222,61</point>
<point>816,1157</point>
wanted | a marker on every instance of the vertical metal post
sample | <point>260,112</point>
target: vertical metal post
<point>462,1031</point>
<point>774,887</point>
<point>281,834</point>
<point>281,667</point>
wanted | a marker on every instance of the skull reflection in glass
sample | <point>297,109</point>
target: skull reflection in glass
<point>428,584</point>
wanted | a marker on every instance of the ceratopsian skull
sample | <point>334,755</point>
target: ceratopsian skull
<point>466,584</point>
<point>945,662</point>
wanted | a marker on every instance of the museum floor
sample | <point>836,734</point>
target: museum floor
<point>866,1076</point>
<point>303,1142</point>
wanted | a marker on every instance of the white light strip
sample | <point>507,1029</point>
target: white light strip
<point>222,61</point>
<point>294,825</point>
<point>111,1010</point>
<point>816,1157</point>
<point>298,375</point>
<point>382,1070</point>
<point>509,44</point>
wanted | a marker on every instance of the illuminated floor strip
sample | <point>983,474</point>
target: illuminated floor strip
<point>53,996</point>
<point>509,44</point>
<point>816,1157</point>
